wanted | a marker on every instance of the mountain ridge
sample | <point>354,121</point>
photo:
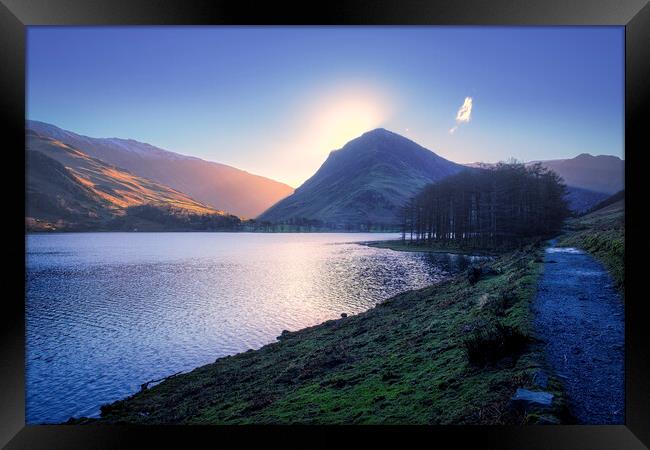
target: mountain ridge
<point>118,187</point>
<point>363,182</point>
<point>218,185</point>
<point>601,173</point>
<point>67,190</point>
<point>604,174</point>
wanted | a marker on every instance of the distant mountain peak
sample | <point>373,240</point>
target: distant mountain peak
<point>382,133</point>
<point>381,140</point>
<point>379,132</point>
<point>590,157</point>
<point>603,173</point>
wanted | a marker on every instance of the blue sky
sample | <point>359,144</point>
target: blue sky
<point>274,101</point>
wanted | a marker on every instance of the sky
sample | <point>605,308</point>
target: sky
<point>275,101</point>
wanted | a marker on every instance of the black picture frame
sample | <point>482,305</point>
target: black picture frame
<point>16,15</point>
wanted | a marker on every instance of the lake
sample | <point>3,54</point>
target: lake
<point>107,312</point>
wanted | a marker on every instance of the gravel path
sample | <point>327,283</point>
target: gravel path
<point>580,317</point>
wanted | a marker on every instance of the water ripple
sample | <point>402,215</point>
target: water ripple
<point>108,311</point>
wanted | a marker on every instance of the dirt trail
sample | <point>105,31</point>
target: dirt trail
<point>580,317</point>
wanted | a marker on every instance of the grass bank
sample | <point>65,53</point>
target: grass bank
<point>406,246</point>
<point>601,233</point>
<point>451,353</point>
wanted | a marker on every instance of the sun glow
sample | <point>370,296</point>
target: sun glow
<point>336,116</point>
<point>340,119</point>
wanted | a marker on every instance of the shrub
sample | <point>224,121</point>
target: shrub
<point>501,303</point>
<point>473,274</point>
<point>489,345</point>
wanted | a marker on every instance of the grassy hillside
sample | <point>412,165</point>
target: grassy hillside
<point>56,198</point>
<point>69,190</point>
<point>601,233</point>
<point>219,186</point>
<point>118,187</point>
<point>450,353</point>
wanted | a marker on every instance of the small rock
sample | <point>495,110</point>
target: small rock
<point>284,334</point>
<point>344,315</point>
<point>527,400</point>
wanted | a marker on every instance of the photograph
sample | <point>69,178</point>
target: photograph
<point>325,225</point>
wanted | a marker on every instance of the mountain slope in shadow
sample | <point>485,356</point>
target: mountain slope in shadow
<point>365,182</point>
<point>602,173</point>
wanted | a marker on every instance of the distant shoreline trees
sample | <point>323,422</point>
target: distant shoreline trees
<point>500,207</point>
<point>150,216</point>
<point>305,225</point>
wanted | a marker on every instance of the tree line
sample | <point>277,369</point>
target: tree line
<point>499,207</point>
<point>303,224</point>
<point>171,218</point>
<point>148,216</point>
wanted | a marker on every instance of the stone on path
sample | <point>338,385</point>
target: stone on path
<point>527,400</point>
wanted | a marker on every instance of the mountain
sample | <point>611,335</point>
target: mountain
<point>618,199</point>
<point>582,200</point>
<point>118,188</point>
<point>66,188</point>
<point>54,197</point>
<point>216,185</point>
<point>589,179</point>
<point>603,173</point>
<point>366,181</point>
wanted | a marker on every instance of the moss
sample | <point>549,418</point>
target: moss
<point>401,362</point>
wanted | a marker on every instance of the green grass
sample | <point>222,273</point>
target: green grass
<point>402,362</point>
<point>601,233</point>
<point>406,246</point>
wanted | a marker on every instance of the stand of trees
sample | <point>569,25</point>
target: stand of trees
<point>151,217</point>
<point>501,207</point>
<point>303,224</point>
<point>163,217</point>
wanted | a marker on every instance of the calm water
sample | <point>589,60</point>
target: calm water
<point>109,311</point>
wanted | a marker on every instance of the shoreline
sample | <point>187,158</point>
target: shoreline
<point>400,246</point>
<point>353,368</point>
<point>406,360</point>
<point>29,233</point>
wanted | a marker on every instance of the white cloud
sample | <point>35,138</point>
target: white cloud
<point>463,115</point>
